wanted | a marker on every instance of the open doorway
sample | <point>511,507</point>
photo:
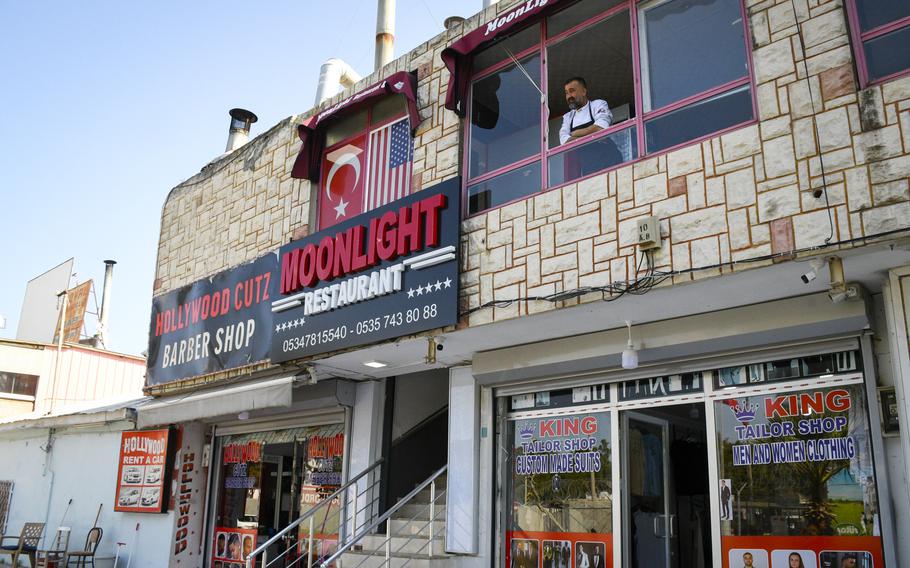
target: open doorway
<point>667,510</point>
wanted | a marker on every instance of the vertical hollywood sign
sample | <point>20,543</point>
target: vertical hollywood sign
<point>184,505</point>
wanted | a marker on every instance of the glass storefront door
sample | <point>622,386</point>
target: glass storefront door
<point>266,480</point>
<point>765,465</point>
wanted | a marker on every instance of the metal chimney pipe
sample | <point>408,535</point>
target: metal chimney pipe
<point>101,336</point>
<point>239,133</point>
<point>385,33</point>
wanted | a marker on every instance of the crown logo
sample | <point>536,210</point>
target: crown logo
<point>526,432</point>
<point>744,411</point>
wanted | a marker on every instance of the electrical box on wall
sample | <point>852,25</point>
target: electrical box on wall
<point>648,233</point>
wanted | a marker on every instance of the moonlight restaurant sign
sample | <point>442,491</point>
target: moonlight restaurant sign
<point>384,274</point>
<point>214,324</point>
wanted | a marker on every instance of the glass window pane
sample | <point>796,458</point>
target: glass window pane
<point>499,51</point>
<point>688,47</point>
<point>505,117</point>
<point>576,14</point>
<point>696,120</point>
<point>388,108</point>
<point>797,463</point>
<point>502,189</point>
<point>559,475</point>
<point>25,385</point>
<point>602,55</point>
<point>345,127</point>
<point>592,157</point>
<point>876,13</point>
<point>888,54</point>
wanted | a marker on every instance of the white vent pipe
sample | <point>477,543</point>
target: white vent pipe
<point>334,76</point>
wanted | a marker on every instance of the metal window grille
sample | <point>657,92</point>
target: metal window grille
<point>6,497</point>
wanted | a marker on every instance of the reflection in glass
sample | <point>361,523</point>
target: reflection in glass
<point>888,54</point>
<point>505,117</point>
<point>593,157</point>
<point>876,13</point>
<point>510,186</point>
<point>576,14</point>
<point>723,111</point>
<point>800,463</point>
<point>560,477</point>
<point>499,51</point>
<point>345,127</point>
<point>689,47</point>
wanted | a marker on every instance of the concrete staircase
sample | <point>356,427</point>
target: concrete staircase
<point>410,537</point>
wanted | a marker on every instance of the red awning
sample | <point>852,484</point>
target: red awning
<point>457,56</point>
<point>312,131</point>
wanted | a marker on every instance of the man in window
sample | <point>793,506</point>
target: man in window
<point>585,116</point>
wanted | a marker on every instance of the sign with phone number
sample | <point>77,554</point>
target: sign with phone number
<point>388,273</point>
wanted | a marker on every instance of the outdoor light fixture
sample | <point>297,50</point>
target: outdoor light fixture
<point>629,354</point>
<point>243,415</point>
<point>376,364</point>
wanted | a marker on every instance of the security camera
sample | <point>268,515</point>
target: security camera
<point>838,294</point>
<point>815,265</point>
<point>439,342</point>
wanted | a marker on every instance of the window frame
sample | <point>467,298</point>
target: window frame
<point>365,131</point>
<point>858,38</point>
<point>638,122</point>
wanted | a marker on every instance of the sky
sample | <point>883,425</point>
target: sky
<point>108,104</point>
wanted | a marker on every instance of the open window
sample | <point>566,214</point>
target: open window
<point>881,34</point>
<point>669,71</point>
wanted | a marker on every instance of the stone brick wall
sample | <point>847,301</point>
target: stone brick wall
<point>743,195</point>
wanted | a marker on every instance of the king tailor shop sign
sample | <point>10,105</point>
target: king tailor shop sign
<point>388,273</point>
<point>214,324</point>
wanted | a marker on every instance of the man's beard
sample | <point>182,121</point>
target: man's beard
<point>573,105</point>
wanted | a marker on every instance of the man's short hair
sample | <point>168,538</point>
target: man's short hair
<point>581,81</point>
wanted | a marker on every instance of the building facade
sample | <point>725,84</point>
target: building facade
<point>678,340</point>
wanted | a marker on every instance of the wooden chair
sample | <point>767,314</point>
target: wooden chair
<point>86,556</point>
<point>26,543</point>
<point>55,556</point>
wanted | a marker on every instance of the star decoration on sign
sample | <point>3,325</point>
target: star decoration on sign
<point>410,293</point>
<point>438,286</point>
<point>447,282</point>
<point>341,208</point>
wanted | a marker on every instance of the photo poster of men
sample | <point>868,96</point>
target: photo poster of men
<point>535,549</point>
<point>232,546</point>
<point>726,499</point>
<point>802,551</point>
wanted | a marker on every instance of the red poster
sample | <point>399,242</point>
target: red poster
<point>232,546</point>
<point>142,472</point>
<point>341,190</point>
<point>533,549</point>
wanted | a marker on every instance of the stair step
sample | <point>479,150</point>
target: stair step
<point>409,544</point>
<point>418,527</point>
<point>355,559</point>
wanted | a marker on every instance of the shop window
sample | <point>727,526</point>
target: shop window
<point>881,33</point>
<point>18,384</point>
<point>692,79</point>
<point>560,488</point>
<point>367,161</point>
<point>797,463</point>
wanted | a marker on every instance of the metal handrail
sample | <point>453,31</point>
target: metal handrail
<point>250,559</point>
<point>386,516</point>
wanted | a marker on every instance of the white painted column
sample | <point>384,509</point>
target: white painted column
<point>365,439</point>
<point>462,522</point>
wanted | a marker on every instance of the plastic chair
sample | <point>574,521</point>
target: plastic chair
<point>55,557</point>
<point>86,556</point>
<point>26,543</point>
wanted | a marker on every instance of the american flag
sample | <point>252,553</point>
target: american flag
<point>389,165</point>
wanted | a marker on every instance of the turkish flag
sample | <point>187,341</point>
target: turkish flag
<point>341,191</point>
